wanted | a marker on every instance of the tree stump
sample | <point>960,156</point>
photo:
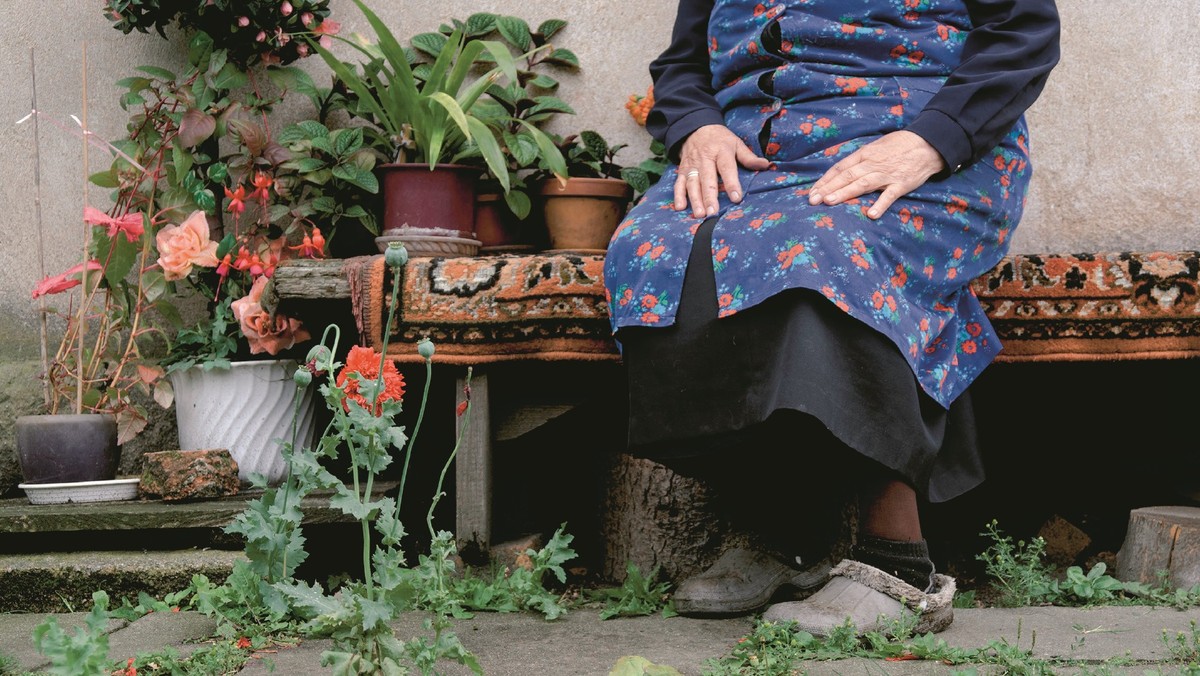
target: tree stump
<point>1161,539</point>
<point>656,517</point>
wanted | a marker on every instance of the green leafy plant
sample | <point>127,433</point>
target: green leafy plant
<point>1018,569</point>
<point>83,652</point>
<point>518,111</point>
<point>329,177</point>
<point>429,120</point>
<point>589,155</point>
<point>519,587</point>
<point>638,595</point>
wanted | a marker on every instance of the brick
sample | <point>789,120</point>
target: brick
<point>174,476</point>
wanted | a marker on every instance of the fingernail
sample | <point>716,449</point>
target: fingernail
<point>712,211</point>
<point>735,196</point>
<point>814,198</point>
<point>873,213</point>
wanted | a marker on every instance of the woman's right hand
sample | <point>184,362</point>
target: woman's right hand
<point>710,157</point>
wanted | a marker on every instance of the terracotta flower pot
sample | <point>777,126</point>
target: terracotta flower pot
<point>67,448</point>
<point>425,203</point>
<point>582,216</point>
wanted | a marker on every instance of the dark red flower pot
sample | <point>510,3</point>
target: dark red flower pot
<point>418,198</point>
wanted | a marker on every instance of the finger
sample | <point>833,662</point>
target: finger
<point>857,187</point>
<point>835,189</point>
<point>708,187</point>
<point>833,179</point>
<point>727,167</point>
<point>695,195</point>
<point>749,160</point>
<point>886,200</point>
<point>680,190</point>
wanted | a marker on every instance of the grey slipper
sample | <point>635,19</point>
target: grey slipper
<point>744,581</point>
<point>871,599</point>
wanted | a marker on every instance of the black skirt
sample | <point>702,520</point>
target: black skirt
<point>824,379</point>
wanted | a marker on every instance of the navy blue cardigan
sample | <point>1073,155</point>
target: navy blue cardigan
<point>1006,60</point>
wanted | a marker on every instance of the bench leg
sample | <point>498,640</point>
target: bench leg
<point>473,470</point>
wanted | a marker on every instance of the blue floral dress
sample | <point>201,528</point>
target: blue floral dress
<point>805,83</point>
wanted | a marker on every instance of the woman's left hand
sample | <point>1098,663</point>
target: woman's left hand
<point>897,164</point>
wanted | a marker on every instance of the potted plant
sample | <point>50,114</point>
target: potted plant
<point>227,221</point>
<point>517,113</point>
<point>426,120</point>
<point>91,378</point>
<point>582,212</point>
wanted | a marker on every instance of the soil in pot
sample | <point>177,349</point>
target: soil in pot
<point>67,448</point>
<point>583,215</point>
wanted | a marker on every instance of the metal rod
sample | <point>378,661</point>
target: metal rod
<point>47,398</point>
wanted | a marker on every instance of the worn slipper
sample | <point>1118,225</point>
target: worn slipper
<point>744,581</point>
<point>871,599</point>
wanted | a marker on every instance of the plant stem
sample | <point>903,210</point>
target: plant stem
<point>37,206</point>
<point>462,431</point>
<point>86,239</point>
<point>408,448</point>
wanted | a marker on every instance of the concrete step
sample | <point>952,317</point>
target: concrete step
<point>64,581</point>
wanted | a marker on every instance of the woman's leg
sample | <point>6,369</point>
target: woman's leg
<point>890,530</point>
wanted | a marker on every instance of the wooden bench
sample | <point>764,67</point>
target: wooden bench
<point>486,311</point>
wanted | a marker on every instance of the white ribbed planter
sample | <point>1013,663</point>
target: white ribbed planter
<point>247,409</point>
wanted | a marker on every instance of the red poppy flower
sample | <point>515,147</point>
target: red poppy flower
<point>364,362</point>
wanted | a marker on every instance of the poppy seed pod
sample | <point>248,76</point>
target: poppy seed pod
<point>425,348</point>
<point>396,255</point>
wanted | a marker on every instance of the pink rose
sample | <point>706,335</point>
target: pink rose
<point>263,332</point>
<point>184,245</point>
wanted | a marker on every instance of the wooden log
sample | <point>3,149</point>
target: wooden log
<point>655,517</point>
<point>1165,538</point>
<point>303,279</point>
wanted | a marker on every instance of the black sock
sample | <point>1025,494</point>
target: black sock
<point>908,561</point>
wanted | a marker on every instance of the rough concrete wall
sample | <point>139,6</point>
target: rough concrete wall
<point>1115,136</point>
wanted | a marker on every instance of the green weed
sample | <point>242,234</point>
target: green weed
<point>637,595</point>
<point>83,652</point>
<point>1019,573</point>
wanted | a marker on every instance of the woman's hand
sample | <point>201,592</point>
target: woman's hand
<point>897,164</point>
<point>710,155</point>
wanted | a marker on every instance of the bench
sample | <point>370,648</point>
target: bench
<point>483,312</point>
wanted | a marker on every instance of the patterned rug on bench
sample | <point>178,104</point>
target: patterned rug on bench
<point>1083,307</point>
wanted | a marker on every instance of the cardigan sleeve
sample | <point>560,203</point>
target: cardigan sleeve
<point>683,91</point>
<point>1006,60</point>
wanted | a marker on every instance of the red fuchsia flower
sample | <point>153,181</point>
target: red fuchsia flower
<point>130,224</point>
<point>313,245</point>
<point>262,186</point>
<point>364,362</point>
<point>242,263</point>
<point>237,200</point>
<point>182,246</point>
<point>263,332</point>
<point>226,264</point>
<point>62,282</point>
